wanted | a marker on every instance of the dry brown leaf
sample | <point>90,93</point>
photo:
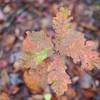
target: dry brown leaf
<point>28,45</point>
<point>61,20</point>
<point>57,76</point>
<point>52,73</point>
<point>36,47</point>
<point>36,79</point>
<point>36,41</point>
<point>70,42</point>
<point>8,41</point>
<point>4,96</point>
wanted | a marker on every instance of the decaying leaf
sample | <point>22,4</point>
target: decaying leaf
<point>57,76</point>
<point>36,48</point>
<point>4,96</point>
<point>60,22</point>
<point>70,42</point>
<point>36,41</point>
<point>45,67</point>
<point>36,79</point>
<point>52,73</point>
<point>28,45</point>
<point>73,45</point>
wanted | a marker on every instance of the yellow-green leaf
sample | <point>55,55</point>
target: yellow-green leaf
<point>40,56</point>
<point>47,96</point>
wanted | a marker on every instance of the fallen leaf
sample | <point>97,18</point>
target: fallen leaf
<point>57,76</point>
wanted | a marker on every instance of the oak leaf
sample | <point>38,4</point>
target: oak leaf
<point>36,79</point>
<point>72,43</point>
<point>60,21</point>
<point>36,41</point>
<point>37,46</point>
<point>57,76</point>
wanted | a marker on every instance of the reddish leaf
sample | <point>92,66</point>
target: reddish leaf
<point>36,79</point>
<point>70,42</point>
<point>57,76</point>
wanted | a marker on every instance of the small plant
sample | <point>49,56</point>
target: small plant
<point>44,60</point>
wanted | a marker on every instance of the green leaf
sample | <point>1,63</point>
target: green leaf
<point>47,96</point>
<point>40,56</point>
